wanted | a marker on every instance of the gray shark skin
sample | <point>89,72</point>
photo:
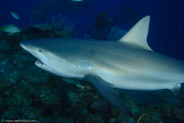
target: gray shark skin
<point>125,64</point>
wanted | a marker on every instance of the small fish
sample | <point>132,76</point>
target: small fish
<point>10,29</point>
<point>15,15</point>
<point>77,0</point>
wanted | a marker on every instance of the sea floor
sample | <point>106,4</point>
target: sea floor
<point>31,94</point>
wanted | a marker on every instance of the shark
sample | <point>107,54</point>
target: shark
<point>128,63</point>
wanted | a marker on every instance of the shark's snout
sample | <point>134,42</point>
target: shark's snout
<point>26,45</point>
<point>23,45</point>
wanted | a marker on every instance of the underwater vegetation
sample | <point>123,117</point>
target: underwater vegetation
<point>46,8</point>
<point>59,26</point>
<point>27,92</point>
<point>106,28</point>
<point>101,27</point>
<point>123,16</point>
<point>128,16</point>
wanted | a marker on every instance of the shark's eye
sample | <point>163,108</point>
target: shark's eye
<point>40,50</point>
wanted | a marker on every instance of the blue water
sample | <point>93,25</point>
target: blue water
<point>166,34</point>
<point>166,28</point>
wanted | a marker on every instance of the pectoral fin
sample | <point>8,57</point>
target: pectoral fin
<point>109,93</point>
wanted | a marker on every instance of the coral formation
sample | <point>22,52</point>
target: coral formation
<point>59,26</point>
<point>27,92</point>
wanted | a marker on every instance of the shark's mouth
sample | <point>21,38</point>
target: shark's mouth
<point>39,63</point>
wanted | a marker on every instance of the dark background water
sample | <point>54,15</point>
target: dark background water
<point>167,16</point>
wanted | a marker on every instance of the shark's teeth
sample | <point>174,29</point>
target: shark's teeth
<point>38,62</point>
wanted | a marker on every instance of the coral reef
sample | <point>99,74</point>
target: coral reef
<point>45,9</point>
<point>59,26</point>
<point>106,28</point>
<point>101,27</point>
<point>27,92</point>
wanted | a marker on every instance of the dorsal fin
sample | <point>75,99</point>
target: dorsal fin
<point>137,35</point>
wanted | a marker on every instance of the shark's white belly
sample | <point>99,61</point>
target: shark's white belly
<point>130,77</point>
<point>136,82</point>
